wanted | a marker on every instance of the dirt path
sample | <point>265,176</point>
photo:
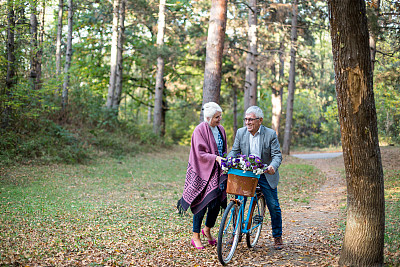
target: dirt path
<point>311,234</point>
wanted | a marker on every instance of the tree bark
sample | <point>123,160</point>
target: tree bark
<point>59,36</point>
<point>40,48</point>
<point>215,47</point>
<point>10,76</point>
<point>364,235</point>
<point>372,39</point>
<point>250,86</point>
<point>277,92</point>
<point>34,45</point>
<point>114,52</point>
<point>68,57</point>
<point>119,74</point>
<point>158,99</point>
<point>292,85</point>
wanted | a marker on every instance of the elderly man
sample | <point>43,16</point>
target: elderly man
<point>260,141</point>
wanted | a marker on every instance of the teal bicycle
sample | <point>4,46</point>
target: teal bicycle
<point>239,219</point>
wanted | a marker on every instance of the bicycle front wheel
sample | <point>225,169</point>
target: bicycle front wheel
<point>229,233</point>
<point>256,223</point>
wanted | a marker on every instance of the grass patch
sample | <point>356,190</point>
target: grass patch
<point>113,211</point>
<point>298,181</point>
<point>392,226</point>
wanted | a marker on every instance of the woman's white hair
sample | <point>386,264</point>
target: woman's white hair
<point>209,110</point>
<point>256,111</point>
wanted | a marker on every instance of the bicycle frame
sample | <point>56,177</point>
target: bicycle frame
<point>245,224</point>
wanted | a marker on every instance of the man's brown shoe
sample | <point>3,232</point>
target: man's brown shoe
<point>278,243</point>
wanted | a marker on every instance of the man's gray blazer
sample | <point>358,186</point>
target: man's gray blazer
<point>269,150</point>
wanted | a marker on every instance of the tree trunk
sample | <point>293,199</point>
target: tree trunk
<point>58,41</point>
<point>119,74</point>
<point>277,92</point>
<point>250,86</point>
<point>372,39</point>
<point>40,48</point>
<point>292,85</point>
<point>215,47</point>
<point>158,99</point>
<point>114,52</point>
<point>10,77</point>
<point>34,45</point>
<point>64,97</point>
<point>364,236</point>
<point>149,110</point>
<point>163,112</point>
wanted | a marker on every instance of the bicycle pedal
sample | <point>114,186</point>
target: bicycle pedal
<point>258,219</point>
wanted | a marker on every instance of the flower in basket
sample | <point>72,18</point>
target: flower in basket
<point>245,163</point>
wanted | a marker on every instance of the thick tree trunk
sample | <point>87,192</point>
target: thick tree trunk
<point>114,52</point>
<point>10,76</point>
<point>215,48</point>
<point>364,236</point>
<point>68,57</point>
<point>119,74</point>
<point>250,86</point>
<point>59,36</point>
<point>158,99</point>
<point>292,84</point>
<point>277,92</point>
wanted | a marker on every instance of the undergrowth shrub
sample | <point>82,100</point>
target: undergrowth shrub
<point>47,141</point>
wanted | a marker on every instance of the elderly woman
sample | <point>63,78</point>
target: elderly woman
<point>202,192</point>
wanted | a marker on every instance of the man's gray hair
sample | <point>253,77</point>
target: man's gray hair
<point>209,110</point>
<point>256,111</point>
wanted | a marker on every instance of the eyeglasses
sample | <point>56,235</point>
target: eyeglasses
<point>250,119</point>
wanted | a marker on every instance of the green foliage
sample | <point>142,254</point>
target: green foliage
<point>93,126</point>
<point>44,140</point>
<point>315,124</point>
<point>387,99</point>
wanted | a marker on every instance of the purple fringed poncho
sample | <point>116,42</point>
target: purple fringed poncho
<point>203,174</point>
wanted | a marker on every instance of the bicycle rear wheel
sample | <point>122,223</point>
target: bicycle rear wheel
<point>229,232</point>
<point>256,222</point>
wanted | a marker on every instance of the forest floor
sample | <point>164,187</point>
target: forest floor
<point>121,212</point>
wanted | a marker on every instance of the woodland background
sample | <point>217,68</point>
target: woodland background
<point>53,101</point>
<point>101,82</point>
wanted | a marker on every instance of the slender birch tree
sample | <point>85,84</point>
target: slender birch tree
<point>59,36</point>
<point>68,57</point>
<point>40,47</point>
<point>119,74</point>
<point>34,44</point>
<point>58,43</point>
<point>215,47</point>
<point>114,55</point>
<point>292,85</point>
<point>363,241</point>
<point>158,99</point>
<point>277,90</point>
<point>250,86</point>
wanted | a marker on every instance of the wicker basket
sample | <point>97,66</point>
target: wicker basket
<point>242,184</point>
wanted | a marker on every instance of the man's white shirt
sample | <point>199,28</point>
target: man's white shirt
<point>255,143</point>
